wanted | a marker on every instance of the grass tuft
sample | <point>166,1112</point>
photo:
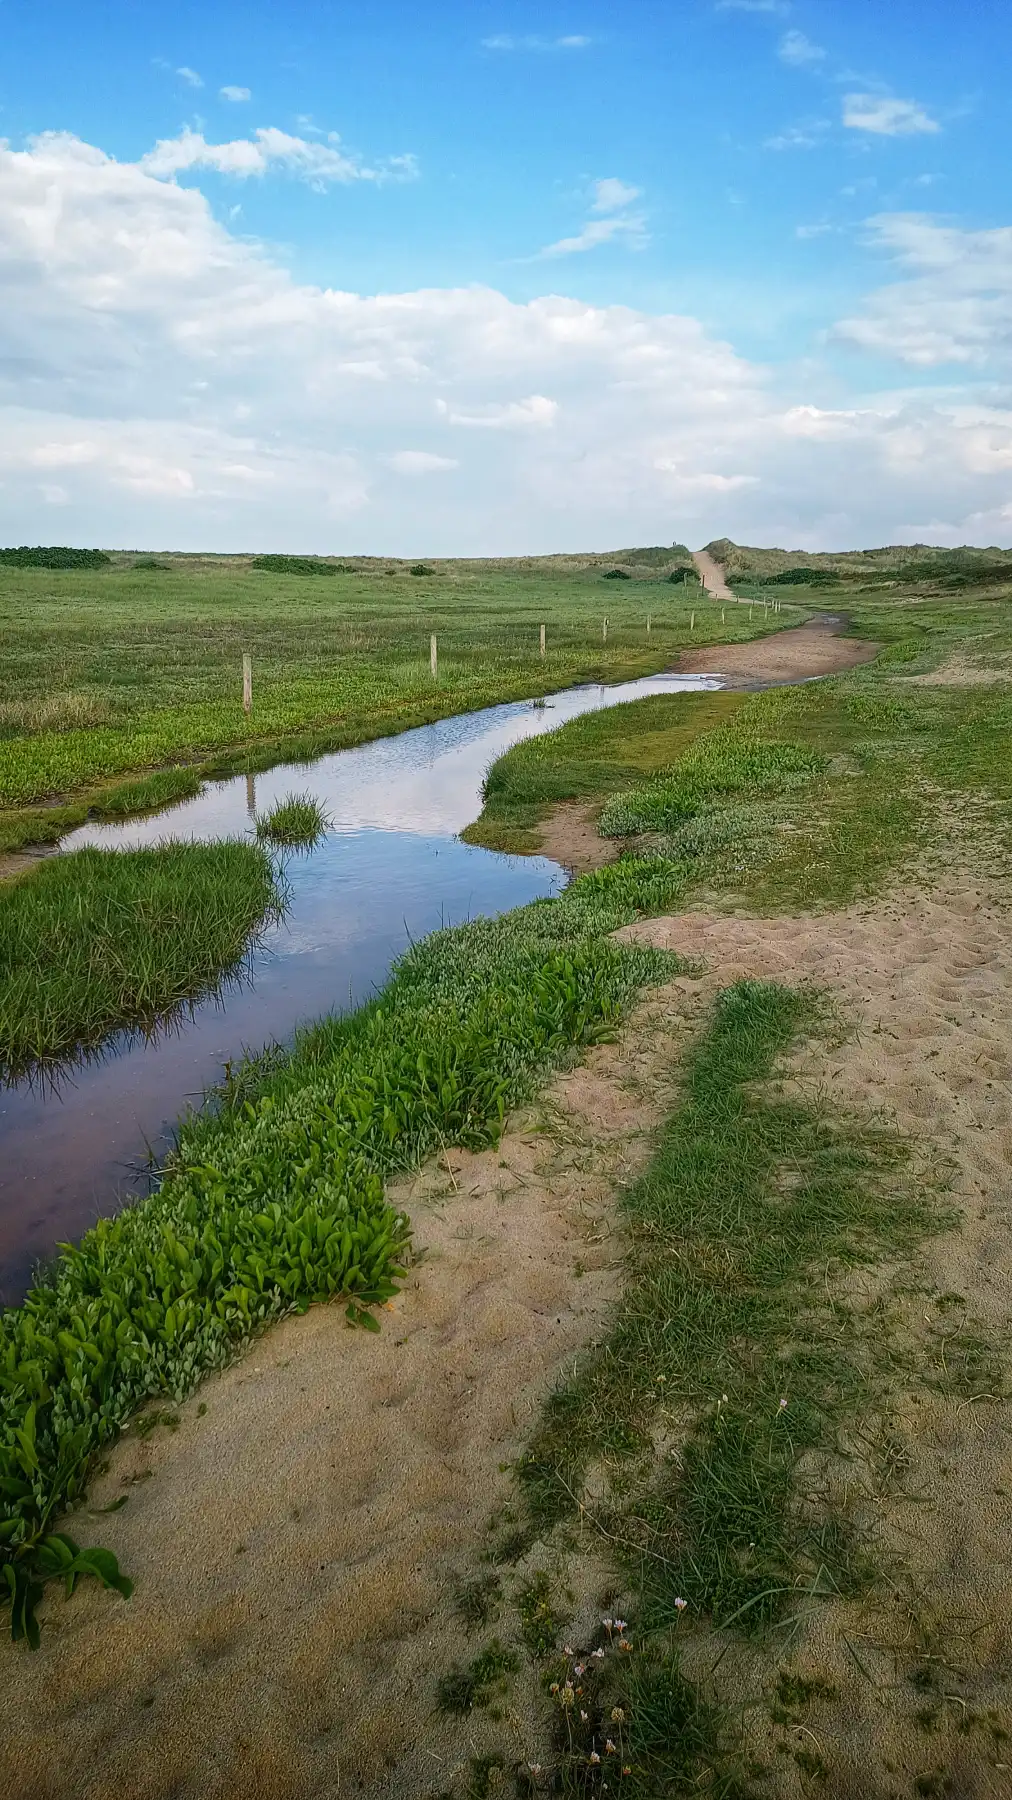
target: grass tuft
<point>297,822</point>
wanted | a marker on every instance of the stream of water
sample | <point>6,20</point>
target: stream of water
<point>390,870</point>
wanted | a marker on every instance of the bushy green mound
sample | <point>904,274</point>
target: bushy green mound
<point>299,565</point>
<point>52,556</point>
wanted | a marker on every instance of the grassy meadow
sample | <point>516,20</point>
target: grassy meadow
<point>756,1210</point>
<point>112,672</point>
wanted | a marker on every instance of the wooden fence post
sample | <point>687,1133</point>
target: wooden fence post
<point>604,631</point>
<point>692,621</point>
<point>648,624</point>
<point>542,640</point>
<point>247,683</point>
<point>433,656</point>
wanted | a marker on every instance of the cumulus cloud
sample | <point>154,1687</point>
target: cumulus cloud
<point>190,76</point>
<point>236,94</point>
<point>885,117</point>
<point>798,51</point>
<point>955,303</point>
<point>315,162</point>
<point>167,382</point>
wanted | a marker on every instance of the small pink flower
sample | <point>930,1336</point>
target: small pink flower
<point>598,1653</point>
<point>782,1406</point>
<point>578,1668</point>
<point>609,1748</point>
<point>681,1604</point>
<point>584,1717</point>
<point>607,1623</point>
<point>593,1757</point>
<point>567,1650</point>
<point>620,1624</point>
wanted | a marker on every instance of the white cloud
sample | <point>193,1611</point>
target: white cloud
<point>317,163</point>
<point>504,41</point>
<point>777,7</point>
<point>885,117</point>
<point>614,221</point>
<point>420,462</point>
<point>798,51</point>
<point>537,409</point>
<point>190,76</point>
<point>809,134</point>
<point>955,305</point>
<point>167,382</point>
<point>610,195</point>
<point>236,94</point>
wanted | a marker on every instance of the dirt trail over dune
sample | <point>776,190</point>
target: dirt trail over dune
<point>712,576</point>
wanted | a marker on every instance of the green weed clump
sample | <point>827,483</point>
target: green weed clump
<point>299,822</point>
<point>731,1334</point>
<point>97,940</point>
<point>275,1199</point>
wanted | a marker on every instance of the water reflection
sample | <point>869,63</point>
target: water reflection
<point>390,870</point>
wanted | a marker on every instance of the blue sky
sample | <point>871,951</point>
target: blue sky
<point>619,274</point>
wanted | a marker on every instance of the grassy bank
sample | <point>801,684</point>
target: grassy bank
<point>276,1199</point>
<point>100,940</point>
<point>112,671</point>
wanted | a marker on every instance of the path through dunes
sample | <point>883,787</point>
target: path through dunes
<point>712,576</point>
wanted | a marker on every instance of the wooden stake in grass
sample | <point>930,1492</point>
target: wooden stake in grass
<point>247,684</point>
<point>542,640</point>
<point>692,621</point>
<point>604,631</point>
<point>648,624</point>
<point>433,656</point>
<point>722,615</point>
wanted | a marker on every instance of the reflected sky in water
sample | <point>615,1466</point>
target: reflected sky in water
<point>389,871</point>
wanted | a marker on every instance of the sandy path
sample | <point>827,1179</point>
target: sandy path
<point>711,575</point>
<point>798,654</point>
<point>296,1542</point>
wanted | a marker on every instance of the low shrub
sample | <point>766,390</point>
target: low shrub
<point>53,556</point>
<point>294,565</point>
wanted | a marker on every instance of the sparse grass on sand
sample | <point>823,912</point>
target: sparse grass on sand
<point>97,940</point>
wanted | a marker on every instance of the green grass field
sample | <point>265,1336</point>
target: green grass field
<point>110,672</point>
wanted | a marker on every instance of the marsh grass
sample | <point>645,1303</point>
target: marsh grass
<point>735,1335</point>
<point>298,822</point>
<point>150,660</point>
<point>98,940</point>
